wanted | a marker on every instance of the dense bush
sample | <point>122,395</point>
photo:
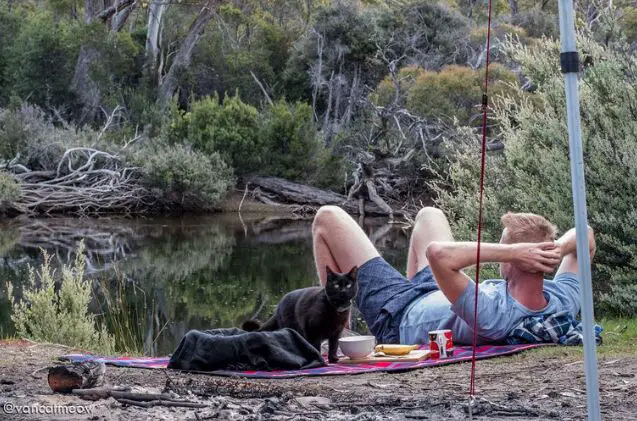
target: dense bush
<point>9,190</point>
<point>620,301</point>
<point>292,148</point>
<point>183,178</point>
<point>430,33</point>
<point>281,140</point>
<point>533,172</point>
<point>630,22</point>
<point>453,92</point>
<point>230,128</point>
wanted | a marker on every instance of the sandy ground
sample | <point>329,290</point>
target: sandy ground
<point>532,385</point>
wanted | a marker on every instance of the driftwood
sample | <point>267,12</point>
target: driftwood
<point>86,181</point>
<point>277,191</point>
<point>145,400</point>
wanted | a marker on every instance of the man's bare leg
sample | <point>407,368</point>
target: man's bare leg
<point>431,225</point>
<point>339,242</point>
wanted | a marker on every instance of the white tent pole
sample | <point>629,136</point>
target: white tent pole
<point>570,67</point>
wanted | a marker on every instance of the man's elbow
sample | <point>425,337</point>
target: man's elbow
<point>436,254</point>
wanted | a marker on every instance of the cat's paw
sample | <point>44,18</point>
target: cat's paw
<point>332,359</point>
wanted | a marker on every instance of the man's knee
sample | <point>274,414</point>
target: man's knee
<point>429,213</point>
<point>327,217</point>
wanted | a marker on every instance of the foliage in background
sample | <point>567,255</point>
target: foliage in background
<point>62,316</point>
<point>532,174</point>
<point>537,22</point>
<point>453,92</point>
<point>29,134</point>
<point>281,140</point>
<point>244,42</point>
<point>40,60</point>
<point>181,178</point>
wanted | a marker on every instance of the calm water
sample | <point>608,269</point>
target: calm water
<point>155,279</point>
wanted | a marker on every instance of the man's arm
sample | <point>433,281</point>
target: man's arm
<point>447,259</point>
<point>568,247</point>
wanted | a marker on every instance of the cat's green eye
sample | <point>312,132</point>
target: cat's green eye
<point>336,286</point>
<point>348,286</point>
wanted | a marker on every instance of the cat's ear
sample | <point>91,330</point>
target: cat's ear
<point>353,273</point>
<point>328,271</point>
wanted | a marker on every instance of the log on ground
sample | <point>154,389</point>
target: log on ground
<point>287,192</point>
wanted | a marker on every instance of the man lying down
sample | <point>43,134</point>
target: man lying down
<point>436,293</point>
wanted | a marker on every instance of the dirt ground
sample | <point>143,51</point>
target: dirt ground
<point>532,385</point>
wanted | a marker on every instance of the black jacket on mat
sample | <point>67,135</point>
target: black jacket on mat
<point>235,349</point>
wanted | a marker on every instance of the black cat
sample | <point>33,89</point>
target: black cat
<point>317,313</point>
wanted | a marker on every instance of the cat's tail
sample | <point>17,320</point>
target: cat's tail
<point>251,325</point>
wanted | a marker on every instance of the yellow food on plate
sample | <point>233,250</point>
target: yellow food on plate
<point>395,349</point>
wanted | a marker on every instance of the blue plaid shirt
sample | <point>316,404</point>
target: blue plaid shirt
<point>558,328</point>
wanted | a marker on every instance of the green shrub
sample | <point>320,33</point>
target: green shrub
<point>183,177</point>
<point>619,301</point>
<point>9,190</point>
<point>230,128</point>
<point>533,174</point>
<point>291,146</point>
<point>14,134</point>
<point>62,316</point>
<point>453,92</point>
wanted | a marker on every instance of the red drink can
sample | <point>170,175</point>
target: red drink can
<point>440,344</point>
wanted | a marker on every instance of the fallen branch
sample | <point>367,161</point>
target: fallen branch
<point>150,404</point>
<point>145,400</point>
<point>279,192</point>
<point>86,181</point>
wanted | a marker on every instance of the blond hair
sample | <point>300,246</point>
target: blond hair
<point>527,228</point>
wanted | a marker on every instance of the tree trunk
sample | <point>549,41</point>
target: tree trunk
<point>92,7</point>
<point>87,91</point>
<point>115,13</point>
<point>155,15</point>
<point>122,11</point>
<point>513,4</point>
<point>184,53</point>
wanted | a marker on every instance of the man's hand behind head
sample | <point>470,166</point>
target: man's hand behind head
<point>537,257</point>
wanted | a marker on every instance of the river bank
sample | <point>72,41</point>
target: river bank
<point>537,384</point>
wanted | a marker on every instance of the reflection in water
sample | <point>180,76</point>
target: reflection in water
<point>158,278</point>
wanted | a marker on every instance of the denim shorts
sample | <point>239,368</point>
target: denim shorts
<point>384,294</point>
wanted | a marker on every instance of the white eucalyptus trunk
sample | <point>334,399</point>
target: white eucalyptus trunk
<point>155,13</point>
